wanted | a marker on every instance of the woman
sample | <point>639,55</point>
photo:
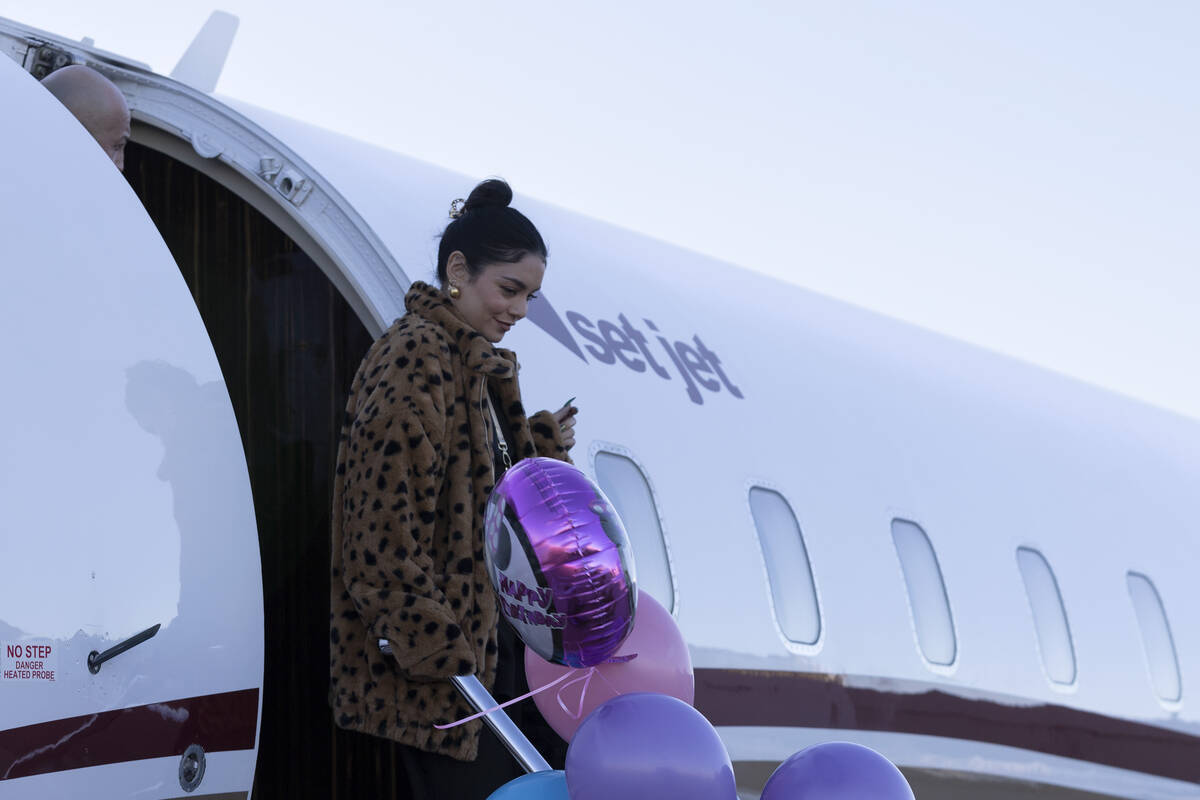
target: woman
<point>419,454</point>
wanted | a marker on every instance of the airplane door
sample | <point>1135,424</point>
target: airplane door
<point>127,528</point>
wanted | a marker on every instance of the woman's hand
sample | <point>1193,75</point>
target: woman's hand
<point>565,417</point>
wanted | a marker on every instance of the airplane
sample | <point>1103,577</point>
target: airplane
<point>866,531</point>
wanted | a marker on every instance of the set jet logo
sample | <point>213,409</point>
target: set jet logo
<point>624,342</point>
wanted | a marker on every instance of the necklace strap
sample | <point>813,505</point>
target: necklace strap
<point>500,442</point>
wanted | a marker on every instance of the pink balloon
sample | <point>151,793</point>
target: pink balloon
<point>662,665</point>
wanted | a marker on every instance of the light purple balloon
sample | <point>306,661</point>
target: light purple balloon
<point>560,562</point>
<point>647,746</point>
<point>837,771</point>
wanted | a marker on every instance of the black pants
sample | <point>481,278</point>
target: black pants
<point>433,777</point>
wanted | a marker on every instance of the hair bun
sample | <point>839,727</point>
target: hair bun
<point>486,230</point>
<point>491,193</point>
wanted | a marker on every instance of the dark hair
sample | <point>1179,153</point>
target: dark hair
<point>488,231</point>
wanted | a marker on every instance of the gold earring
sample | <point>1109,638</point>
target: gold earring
<point>454,292</point>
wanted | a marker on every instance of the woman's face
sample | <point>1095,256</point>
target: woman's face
<point>497,297</point>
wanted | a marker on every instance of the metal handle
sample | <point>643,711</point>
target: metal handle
<point>517,743</point>
<point>480,699</point>
<point>95,659</point>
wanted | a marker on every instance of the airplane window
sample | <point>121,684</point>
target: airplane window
<point>926,593</point>
<point>1156,637</point>
<point>793,592</point>
<point>623,482</point>
<point>1049,616</point>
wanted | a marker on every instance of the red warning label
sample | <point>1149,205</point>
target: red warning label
<point>35,662</point>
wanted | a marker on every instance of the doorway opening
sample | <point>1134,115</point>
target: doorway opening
<point>288,344</point>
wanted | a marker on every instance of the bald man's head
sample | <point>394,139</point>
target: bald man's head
<point>97,103</point>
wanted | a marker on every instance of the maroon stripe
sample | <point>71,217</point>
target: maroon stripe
<point>789,699</point>
<point>216,722</point>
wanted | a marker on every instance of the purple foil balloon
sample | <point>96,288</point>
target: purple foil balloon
<point>560,562</point>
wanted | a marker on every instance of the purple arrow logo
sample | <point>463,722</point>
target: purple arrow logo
<point>542,314</point>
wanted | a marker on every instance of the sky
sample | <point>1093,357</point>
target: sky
<point>1020,175</point>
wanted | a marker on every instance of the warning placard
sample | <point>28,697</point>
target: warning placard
<point>35,662</point>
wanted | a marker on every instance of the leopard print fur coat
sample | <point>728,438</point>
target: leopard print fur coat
<point>414,471</point>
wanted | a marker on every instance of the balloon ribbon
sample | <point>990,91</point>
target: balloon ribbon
<point>507,703</point>
<point>575,676</point>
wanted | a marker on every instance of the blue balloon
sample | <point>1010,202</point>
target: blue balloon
<point>534,786</point>
<point>837,771</point>
<point>648,746</point>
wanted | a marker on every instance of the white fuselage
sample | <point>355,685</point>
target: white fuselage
<point>712,380</point>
